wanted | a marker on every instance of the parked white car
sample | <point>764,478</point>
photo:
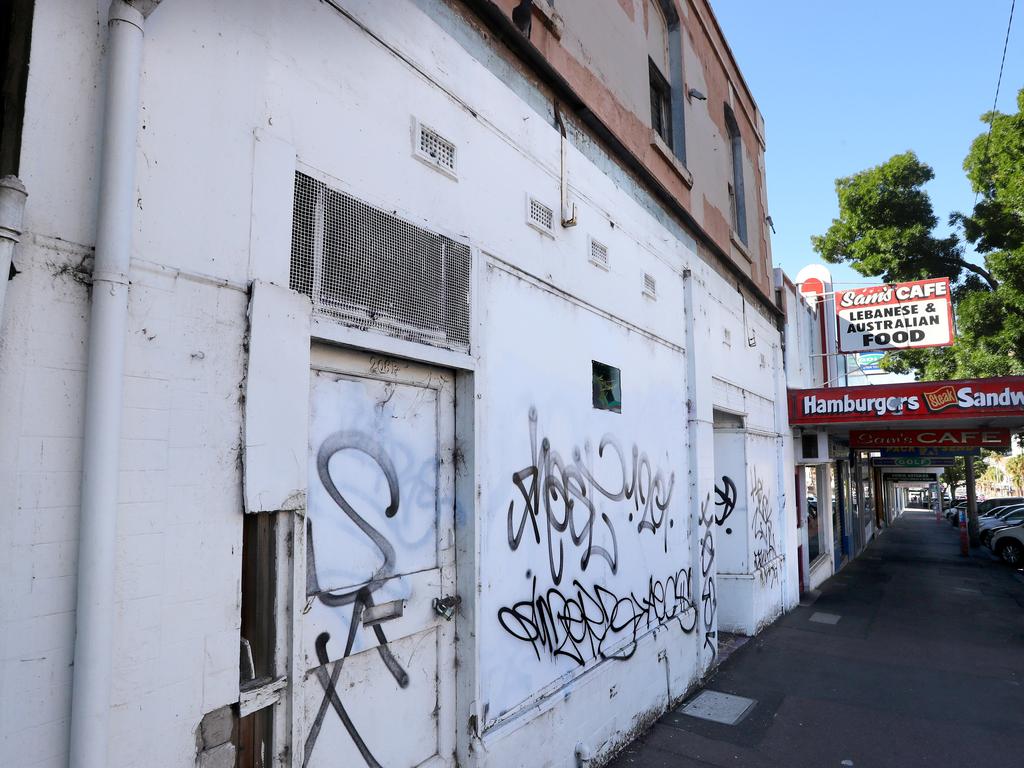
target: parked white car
<point>1007,517</point>
<point>1009,545</point>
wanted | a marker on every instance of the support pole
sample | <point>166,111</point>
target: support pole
<point>972,504</point>
<point>970,510</point>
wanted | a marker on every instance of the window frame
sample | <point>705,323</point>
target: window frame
<point>674,80</point>
<point>606,386</point>
<point>737,190</point>
<point>661,103</point>
<point>268,598</point>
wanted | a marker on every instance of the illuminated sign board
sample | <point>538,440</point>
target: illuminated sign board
<point>911,462</point>
<point>866,439</point>
<point>934,452</point>
<point>897,316</point>
<point>868,363</point>
<point>915,400</point>
<point>910,477</point>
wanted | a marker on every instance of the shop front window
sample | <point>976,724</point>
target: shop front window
<point>817,508</point>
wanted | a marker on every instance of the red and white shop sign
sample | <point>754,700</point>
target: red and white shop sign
<point>912,401</point>
<point>897,316</point>
<point>872,439</point>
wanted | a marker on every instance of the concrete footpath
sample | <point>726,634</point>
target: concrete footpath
<point>923,667</point>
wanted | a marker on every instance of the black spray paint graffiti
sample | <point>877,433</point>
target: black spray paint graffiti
<point>766,556</point>
<point>708,598</point>
<point>725,497</point>
<point>563,495</point>
<point>359,598</point>
<point>588,623</point>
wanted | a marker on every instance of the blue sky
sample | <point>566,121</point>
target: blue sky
<point>845,85</point>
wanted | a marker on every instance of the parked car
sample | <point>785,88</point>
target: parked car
<point>1007,518</point>
<point>812,506</point>
<point>999,513</point>
<point>998,501</point>
<point>1009,545</point>
<point>988,506</point>
<point>953,513</point>
<point>996,512</point>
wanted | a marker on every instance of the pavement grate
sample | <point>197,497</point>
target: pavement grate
<point>820,617</point>
<point>718,707</point>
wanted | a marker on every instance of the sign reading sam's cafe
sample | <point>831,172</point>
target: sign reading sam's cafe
<point>910,401</point>
<point>896,316</point>
<point>874,439</point>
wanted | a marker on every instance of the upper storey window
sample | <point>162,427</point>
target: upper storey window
<point>665,72</point>
<point>737,201</point>
<point>657,38</point>
<point>661,104</point>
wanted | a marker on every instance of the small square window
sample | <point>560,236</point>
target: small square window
<point>607,386</point>
<point>810,445</point>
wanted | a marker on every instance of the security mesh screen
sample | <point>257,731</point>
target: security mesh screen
<point>369,269</point>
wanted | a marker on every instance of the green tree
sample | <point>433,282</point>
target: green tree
<point>1015,469</point>
<point>887,229</point>
<point>992,477</point>
<point>955,476</point>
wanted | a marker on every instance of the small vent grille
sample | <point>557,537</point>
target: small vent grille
<point>540,216</point>
<point>650,286</point>
<point>369,269</point>
<point>434,149</point>
<point>598,254</point>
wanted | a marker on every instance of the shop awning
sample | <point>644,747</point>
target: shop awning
<point>966,405</point>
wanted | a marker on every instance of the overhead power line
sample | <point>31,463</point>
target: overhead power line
<point>999,82</point>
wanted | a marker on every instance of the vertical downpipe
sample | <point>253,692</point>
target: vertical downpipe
<point>568,214</point>
<point>108,323</point>
<point>700,442</point>
<point>12,210</point>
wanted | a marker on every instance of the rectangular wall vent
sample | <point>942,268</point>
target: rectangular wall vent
<point>598,254</point>
<point>650,286</point>
<point>369,269</point>
<point>434,149</point>
<point>540,216</point>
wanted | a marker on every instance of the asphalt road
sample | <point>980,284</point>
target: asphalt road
<point>925,667</point>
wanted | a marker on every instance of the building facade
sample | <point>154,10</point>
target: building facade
<point>436,411</point>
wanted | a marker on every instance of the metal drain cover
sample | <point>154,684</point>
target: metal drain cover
<point>718,707</point>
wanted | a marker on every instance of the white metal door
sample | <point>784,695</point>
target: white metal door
<point>379,659</point>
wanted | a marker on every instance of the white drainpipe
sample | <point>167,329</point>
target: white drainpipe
<point>108,324</point>
<point>12,209</point>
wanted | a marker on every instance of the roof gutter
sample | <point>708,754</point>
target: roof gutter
<point>502,27</point>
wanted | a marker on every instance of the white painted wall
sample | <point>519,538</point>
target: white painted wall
<point>804,370</point>
<point>235,96</point>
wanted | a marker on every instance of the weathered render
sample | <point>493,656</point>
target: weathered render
<point>417,428</point>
